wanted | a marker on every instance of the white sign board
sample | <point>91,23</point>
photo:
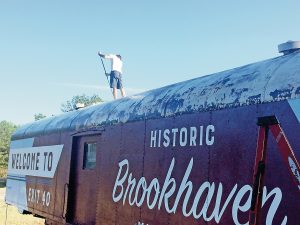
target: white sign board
<point>34,161</point>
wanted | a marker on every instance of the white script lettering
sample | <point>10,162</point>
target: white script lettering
<point>157,196</point>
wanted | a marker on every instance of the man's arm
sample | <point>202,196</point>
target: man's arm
<point>101,55</point>
<point>110,56</point>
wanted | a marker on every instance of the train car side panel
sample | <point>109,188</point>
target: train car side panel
<point>198,169</point>
<point>45,167</point>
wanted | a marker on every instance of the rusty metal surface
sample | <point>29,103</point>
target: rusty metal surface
<point>46,196</point>
<point>222,161</point>
<point>184,170</point>
<point>226,166</point>
<point>267,81</point>
<point>83,185</point>
<point>124,146</point>
<point>106,210</point>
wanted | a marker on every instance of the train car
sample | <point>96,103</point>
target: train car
<point>187,153</point>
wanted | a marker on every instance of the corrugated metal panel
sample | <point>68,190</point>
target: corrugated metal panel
<point>267,81</point>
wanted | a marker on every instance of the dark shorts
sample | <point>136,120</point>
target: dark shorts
<point>116,79</point>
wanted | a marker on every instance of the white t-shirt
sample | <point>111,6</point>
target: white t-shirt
<point>116,62</point>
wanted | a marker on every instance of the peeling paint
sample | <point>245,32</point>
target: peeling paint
<point>271,80</point>
<point>297,92</point>
<point>281,94</point>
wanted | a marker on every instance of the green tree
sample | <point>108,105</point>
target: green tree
<point>6,130</point>
<point>39,116</point>
<point>84,99</point>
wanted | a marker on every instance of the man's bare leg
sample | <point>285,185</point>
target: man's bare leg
<point>115,93</point>
<point>123,92</point>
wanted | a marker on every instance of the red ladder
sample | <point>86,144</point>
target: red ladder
<point>265,124</point>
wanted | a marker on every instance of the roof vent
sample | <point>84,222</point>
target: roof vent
<point>289,47</point>
<point>79,105</point>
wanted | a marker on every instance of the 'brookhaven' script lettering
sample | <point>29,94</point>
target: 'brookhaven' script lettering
<point>136,192</point>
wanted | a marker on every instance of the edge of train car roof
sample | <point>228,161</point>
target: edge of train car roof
<point>270,80</point>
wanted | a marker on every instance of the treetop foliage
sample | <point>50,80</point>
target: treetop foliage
<point>39,116</point>
<point>6,130</point>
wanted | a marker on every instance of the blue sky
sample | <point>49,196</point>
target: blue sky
<point>49,48</point>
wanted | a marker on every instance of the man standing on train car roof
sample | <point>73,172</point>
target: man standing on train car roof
<point>116,73</point>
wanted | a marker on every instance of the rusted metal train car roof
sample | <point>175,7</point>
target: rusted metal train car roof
<point>267,81</point>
